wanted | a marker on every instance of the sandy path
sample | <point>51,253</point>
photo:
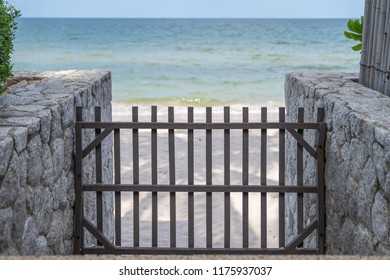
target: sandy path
<point>123,113</point>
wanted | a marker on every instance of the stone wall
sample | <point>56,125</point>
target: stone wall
<point>357,173</point>
<point>37,158</point>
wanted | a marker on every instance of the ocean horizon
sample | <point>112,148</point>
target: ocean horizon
<point>195,62</point>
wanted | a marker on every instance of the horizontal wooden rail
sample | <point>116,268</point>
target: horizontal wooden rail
<point>198,188</point>
<point>196,251</point>
<point>199,125</point>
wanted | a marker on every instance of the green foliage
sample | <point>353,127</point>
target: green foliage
<point>8,16</point>
<point>356,34</point>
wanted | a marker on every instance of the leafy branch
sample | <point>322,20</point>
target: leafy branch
<point>356,34</point>
<point>8,16</point>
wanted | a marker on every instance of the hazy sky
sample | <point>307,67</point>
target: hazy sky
<point>191,8</point>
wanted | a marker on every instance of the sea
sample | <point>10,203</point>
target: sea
<point>190,62</point>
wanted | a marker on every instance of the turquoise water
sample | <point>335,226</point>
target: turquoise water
<point>188,61</point>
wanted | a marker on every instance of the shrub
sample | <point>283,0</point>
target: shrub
<point>8,16</point>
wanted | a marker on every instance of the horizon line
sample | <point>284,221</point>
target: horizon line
<point>240,18</point>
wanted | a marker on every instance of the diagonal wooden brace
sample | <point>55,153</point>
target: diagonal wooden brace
<point>300,238</point>
<point>303,142</point>
<point>97,234</point>
<point>96,141</point>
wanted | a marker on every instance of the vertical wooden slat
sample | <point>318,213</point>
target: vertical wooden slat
<point>368,18</point>
<point>78,229</point>
<point>190,115</point>
<point>172,177</point>
<point>382,50</point>
<point>374,44</point>
<point>321,182</point>
<point>386,58</point>
<point>368,37</point>
<point>227,176</point>
<point>154,180</point>
<point>263,167</point>
<point>365,45</point>
<point>135,179</point>
<point>245,180</point>
<point>99,179</point>
<point>117,167</point>
<point>282,160</point>
<point>321,198</point>
<point>380,20</point>
<point>209,181</point>
<point>300,174</point>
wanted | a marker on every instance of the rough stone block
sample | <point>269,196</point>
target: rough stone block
<point>380,218</point>
<point>345,241</point>
<point>31,123</point>
<point>43,208</point>
<point>48,176</point>
<point>68,112</point>
<point>6,148</point>
<point>18,98</point>
<point>23,167</point>
<point>370,180</point>
<point>29,237</point>
<point>29,200</point>
<point>383,250</point>
<point>364,208</point>
<point>45,117</point>
<point>56,124</point>
<point>68,244</point>
<point>57,150</point>
<point>55,236</point>
<point>358,158</point>
<point>34,162</point>
<point>68,219</point>
<point>10,186</point>
<point>356,124</point>
<point>352,198</point>
<point>70,187</point>
<point>363,241</point>
<point>387,185</point>
<point>41,248</point>
<point>5,228</point>
<point>381,134</point>
<point>380,164</point>
<point>59,192</point>
<point>68,149</point>
<point>19,135</point>
<point>20,214</point>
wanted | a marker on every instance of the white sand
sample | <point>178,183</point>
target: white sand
<point>123,113</point>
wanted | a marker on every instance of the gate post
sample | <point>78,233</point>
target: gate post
<point>78,238</point>
<point>320,181</point>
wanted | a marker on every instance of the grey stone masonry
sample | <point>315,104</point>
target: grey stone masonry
<point>37,120</point>
<point>357,172</point>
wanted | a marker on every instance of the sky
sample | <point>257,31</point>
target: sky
<point>191,8</point>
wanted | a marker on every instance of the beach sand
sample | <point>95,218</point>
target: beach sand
<point>123,113</point>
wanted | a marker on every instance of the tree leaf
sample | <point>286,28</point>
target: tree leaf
<point>357,47</point>
<point>356,32</point>
<point>353,36</point>
<point>350,24</point>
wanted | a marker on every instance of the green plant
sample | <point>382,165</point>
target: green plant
<point>8,16</point>
<point>356,34</point>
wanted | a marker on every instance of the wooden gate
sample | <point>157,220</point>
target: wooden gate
<point>104,245</point>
